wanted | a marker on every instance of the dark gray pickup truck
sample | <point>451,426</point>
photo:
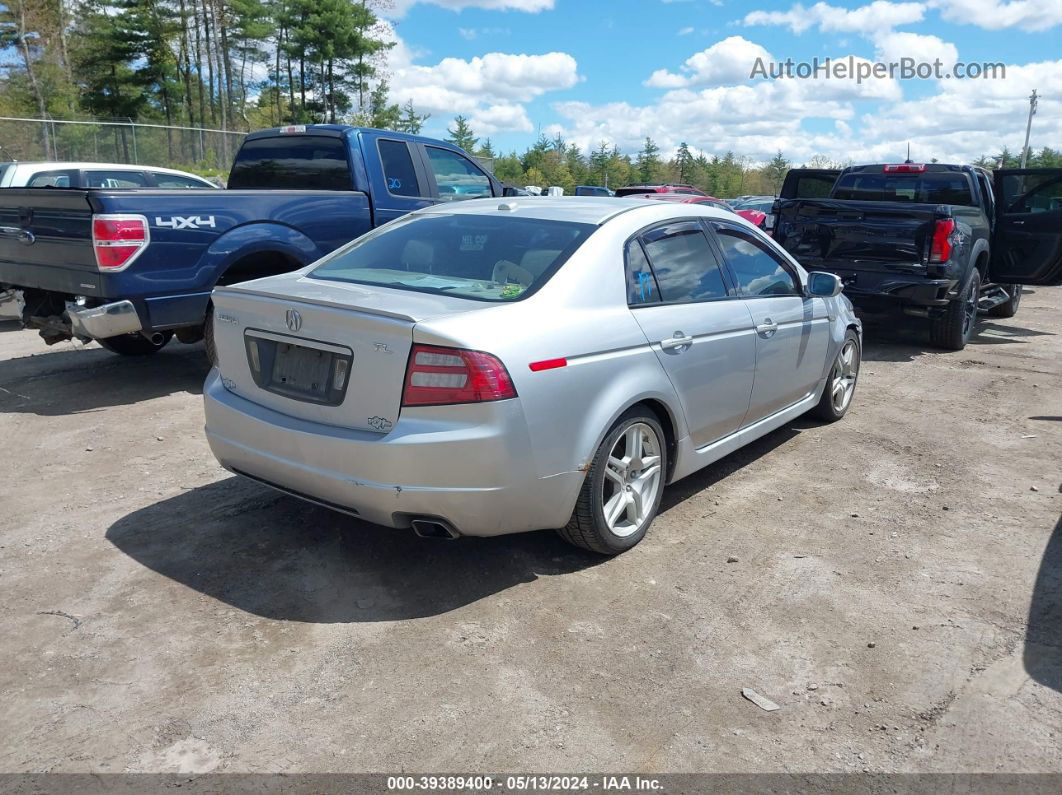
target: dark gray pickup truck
<point>933,240</point>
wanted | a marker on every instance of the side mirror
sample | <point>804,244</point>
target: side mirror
<point>824,285</point>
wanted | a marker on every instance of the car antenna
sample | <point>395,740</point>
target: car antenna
<point>908,160</point>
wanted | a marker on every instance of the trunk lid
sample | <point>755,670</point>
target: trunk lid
<point>323,351</point>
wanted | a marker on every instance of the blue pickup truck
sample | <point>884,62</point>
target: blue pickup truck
<point>133,268</point>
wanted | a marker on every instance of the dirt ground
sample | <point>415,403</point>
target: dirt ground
<point>897,590</point>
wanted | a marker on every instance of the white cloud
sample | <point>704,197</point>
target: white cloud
<point>686,31</point>
<point>727,61</point>
<point>530,6</point>
<point>868,20</point>
<point>501,118</point>
<point>996,14</point>
<point>893,46</point>
<point>489,89</point>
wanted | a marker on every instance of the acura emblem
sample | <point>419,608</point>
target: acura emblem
<point>293,320</point>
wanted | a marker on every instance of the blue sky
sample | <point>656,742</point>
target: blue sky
<point>619,70</point>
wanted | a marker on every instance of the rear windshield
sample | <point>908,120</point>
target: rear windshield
<point>486,258</point>
<point>633,191</point>
<point>3,170</point>
<point>292,162</point>
<point>929,188</point>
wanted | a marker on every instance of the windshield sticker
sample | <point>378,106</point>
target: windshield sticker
<point>473,242</point>
<point>394,183</point>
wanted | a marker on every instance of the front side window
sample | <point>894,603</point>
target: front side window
<point>485,258</point>
<point>456,176</point>
<point>115,179</point>
<point>399,174</point>
<point>684,263</point>
<point>292,162</point>
<point>758,271</point>
<point>641,284</point>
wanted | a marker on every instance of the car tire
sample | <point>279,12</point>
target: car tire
<point>623,486</point>
<point>956,326</point>
<point>1007,308</point>
<point>135,344</point>
<point>208,337</point>
<point>841,383</point>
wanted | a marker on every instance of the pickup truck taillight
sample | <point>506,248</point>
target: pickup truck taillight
<point>118,239</point>
<point>941,248</point>
<point>437,376</point>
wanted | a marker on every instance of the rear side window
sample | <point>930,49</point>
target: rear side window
<point>456,176</point>
<point>177,181</point>
<point>115,179</point>
<point>51,179</point>
<point>927,188</point>
<point>684,263</point>
<point>398,169</point>
<point>1032,193</point>
<point>641,284</point>
<point>485,258</point>
<point>292,162</point>
<point>817,187</point>
<point>758,271</point>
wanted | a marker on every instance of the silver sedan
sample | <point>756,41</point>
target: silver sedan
<point>496,366</point>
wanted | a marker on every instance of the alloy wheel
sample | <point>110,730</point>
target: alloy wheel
<point>633,479</point>
<point>844,376</point>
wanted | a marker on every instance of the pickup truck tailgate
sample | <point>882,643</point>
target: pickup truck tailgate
<point>46,240</point>
<point>854,234</point>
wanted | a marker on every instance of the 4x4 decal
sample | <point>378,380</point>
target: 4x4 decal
<point>185,222</point>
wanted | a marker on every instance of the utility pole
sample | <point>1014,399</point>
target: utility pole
<point>1033,100</point>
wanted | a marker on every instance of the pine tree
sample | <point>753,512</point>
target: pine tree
<point>685,163</point>
<point>411,121</point>
<point>775,172</point>
<point>648,162</point>
<point>461,135</point>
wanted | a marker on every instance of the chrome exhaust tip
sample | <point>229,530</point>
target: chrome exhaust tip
<point>434,528</point>
<point>155,338</point>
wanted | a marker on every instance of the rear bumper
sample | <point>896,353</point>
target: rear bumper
<point>108,320</point>
<point>479,478</point>
<point>871,287</point>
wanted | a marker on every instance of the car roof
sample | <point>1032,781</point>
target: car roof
<point>60,165</point>
<point>594,210</point>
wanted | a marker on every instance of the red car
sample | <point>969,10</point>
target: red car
<point>637,190</point>
<point>754,217</point>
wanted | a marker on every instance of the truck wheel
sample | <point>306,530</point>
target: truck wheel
<point>135,344</point>
<point>1007,308</point>
<point>623,487</point>
<point>841,384</point>
<point>208,337</point>
<point>953,329</point>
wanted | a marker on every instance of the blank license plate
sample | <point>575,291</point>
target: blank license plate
<point>302,370</point>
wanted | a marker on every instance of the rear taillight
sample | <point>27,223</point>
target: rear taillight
<point>439,376</point>
<point>118,240</point>
<point>942,242</point>
<point>905,168</point>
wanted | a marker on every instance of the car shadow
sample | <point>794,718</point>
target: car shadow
<point>10,325</point>
<point>281,558</point>
<point>886,339</point>
<point>1043,637</point>
<point>60,382</point>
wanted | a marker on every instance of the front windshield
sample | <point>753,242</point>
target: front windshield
<point>483,257</point>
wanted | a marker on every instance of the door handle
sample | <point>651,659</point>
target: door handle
<point>767,328</point>
<point>1018,223</point>
<point>678,341</point>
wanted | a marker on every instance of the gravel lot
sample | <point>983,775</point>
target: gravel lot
<point>897,590</point>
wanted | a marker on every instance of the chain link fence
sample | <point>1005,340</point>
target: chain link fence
<point>188,148</point>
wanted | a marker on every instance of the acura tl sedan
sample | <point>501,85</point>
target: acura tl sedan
<point>497,366</point>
